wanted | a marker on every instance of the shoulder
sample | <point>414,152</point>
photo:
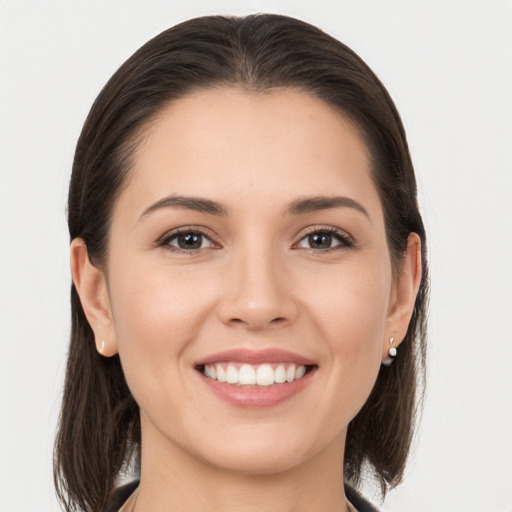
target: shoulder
<point>119,496</point>
<point>361,504</point>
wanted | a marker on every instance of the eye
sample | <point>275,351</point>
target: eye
<point>187,240</point>
<point>325,239</point>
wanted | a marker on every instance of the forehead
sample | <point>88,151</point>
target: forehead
<point>232,145</point>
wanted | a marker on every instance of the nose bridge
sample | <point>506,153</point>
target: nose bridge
<point>257,294</point>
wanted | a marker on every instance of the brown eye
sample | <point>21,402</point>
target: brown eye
<point>189,241</point>
<point>324,240</point>
<point>320,241</point>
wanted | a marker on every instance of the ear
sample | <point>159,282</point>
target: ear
<point>403,295</point>
<point>91,285</point>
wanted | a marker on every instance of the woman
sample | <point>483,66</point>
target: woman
<point>248,260</point>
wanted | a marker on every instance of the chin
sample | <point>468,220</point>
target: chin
<point>269,453</point>
<point>255,462</point>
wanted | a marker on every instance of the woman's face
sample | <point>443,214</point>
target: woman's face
<point>249,244</point>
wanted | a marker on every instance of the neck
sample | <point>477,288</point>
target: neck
<point>171,479</point>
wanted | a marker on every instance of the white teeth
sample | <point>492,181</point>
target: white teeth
<point>265,375</point>
<point>301,371</point>
<point>250,375</point>
<point>290,373</point>
<point>280,376</point>
<point>247,375</point>
<point>221,374</point>
<point>232,375</point>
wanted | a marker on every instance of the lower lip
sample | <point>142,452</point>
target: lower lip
<point>257,396</point>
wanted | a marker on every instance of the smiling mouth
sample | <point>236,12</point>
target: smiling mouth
<point>264,375</point>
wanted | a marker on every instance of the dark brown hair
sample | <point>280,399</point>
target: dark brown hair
<point>99,425</point>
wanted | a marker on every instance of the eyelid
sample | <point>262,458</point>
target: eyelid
<point>345,238</point>
<point>347,241</point>
<point>164,240</point>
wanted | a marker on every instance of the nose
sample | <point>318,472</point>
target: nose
<point>258,293</point>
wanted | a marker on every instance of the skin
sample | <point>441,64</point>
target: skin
<point>256,283</point>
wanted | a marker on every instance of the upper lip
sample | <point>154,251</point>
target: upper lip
<point>269,355</point>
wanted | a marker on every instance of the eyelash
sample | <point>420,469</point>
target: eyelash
<point>166,240</point>
<point>346,242</point>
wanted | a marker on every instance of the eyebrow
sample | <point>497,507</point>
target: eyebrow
<point>197,204</point>
<point>298,207</point>
<point>316,203</point>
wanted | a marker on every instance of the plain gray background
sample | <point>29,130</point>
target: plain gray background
<point>448,66</point>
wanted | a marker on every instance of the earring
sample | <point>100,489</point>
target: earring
<point>392,350</point>
<point>102,348</point>
<point>391,353</point>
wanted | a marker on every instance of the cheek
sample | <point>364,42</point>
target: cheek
<point>152,298</point>
<point>351,318</point>
<point>156,316</point>
<point>350,305</point>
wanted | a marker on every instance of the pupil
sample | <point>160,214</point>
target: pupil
<point>320,240</point>
<point>189,241</point>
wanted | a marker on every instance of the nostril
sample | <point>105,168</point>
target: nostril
<point>258,323</point>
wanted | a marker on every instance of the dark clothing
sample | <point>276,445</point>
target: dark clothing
<point>123,493</point>
<point>120,495</point>
<point>358,501</point>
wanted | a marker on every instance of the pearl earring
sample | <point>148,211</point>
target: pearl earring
<point>391,352</point>
<point>102,349</point>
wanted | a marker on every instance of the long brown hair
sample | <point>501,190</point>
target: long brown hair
<point>99,424</point>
